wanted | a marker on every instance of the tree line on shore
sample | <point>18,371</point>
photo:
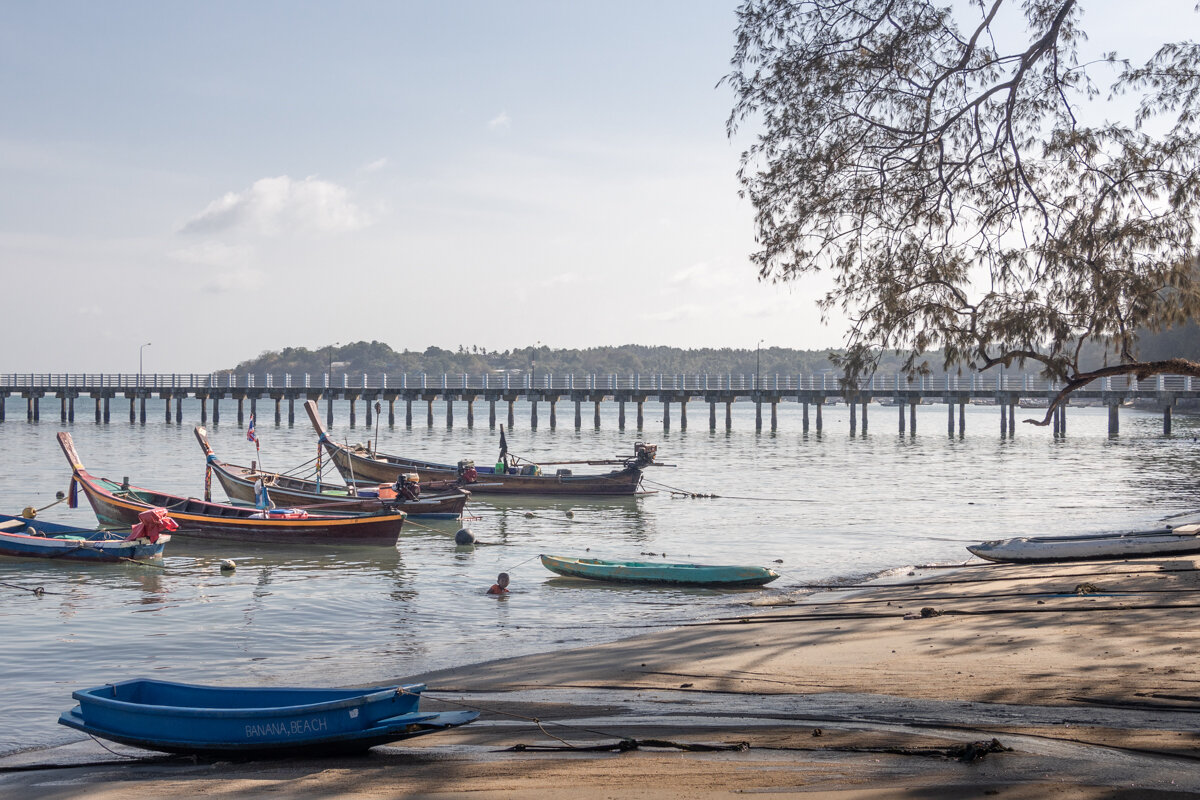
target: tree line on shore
<point>374,358</point>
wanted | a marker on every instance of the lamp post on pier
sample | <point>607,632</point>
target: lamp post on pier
<point>758,386</point>
<point>329,385</point>
<point>757,366</point>
<point>140,351</point>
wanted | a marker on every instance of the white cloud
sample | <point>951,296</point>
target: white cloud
<point>686,311</point>
<point>274,206</point>
<point>376,165</point>
<point>562,279</point>
<point>241,280</point>
<point>703,276</point>
<point>213,254</point>
<point>500,122</point>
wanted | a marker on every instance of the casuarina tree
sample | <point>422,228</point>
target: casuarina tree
<point>972,180</point>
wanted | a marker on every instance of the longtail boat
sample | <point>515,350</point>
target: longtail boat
<point>119,504</point>
<point>27,538</point>
<point>709,575</point>
<point>358,464</point>
<point>240,484</point>
<point>254,722</point>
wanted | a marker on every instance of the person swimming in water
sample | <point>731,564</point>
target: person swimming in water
<point>501,584</point>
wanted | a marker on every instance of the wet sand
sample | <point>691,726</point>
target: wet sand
<point>1086,674</point>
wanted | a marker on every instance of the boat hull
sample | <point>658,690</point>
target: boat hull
<point>61,542</point>
<point>117,505</point>
<point>374,468</point>
<point>240,489</point>
<point>1142,544</point>
<point>708,575</point>
<point>249,721</point>
<point>386,469</point>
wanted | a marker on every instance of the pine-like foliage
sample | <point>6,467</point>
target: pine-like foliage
<point>970,197</point>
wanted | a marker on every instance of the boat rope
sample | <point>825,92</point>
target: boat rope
<point>37,591</point>
<point>123,760</point>
<point>408,522</point>
<point>143,563</point>
<point>31,512</point>
<point>890,600</point>
<point>523,563</point>
<point>571,520</point>
<point>677,492</point>
<point>834,587</point>
<point>124,756</point>
<point>292,472</point>
<point>929,612</point>
<point>628,744</point>
<point>541,725</point>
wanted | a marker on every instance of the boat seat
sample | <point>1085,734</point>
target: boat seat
<point>11,524</point>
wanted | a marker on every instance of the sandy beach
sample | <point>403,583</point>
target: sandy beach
<point>1063,680</point>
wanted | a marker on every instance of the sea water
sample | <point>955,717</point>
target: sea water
<point>818,508</point>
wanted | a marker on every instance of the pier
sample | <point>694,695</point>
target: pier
<point>246,394</point>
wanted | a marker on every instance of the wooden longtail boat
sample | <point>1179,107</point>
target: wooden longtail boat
<point>27,538</point>
<point>1138,544</point>
<point>359,464</point>
<point>119,504</point>
<point>247,722</point>
<point>710,575</point>
<point>239,482</point>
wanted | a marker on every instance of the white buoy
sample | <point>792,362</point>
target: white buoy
<point>228,565</point>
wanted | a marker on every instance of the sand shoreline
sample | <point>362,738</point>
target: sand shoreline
<point>1086,671</point>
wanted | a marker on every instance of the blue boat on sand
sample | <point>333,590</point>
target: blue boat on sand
<point>249,722</point>
<point>710,575</point>
<point>27,538</point>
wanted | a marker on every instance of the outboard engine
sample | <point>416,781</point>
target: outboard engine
<point>644,454</point>
<point>466,472</point>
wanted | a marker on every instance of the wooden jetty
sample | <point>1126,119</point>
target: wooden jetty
<point>720,392</point>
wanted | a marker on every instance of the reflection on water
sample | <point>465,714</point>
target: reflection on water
<point>827,505</point>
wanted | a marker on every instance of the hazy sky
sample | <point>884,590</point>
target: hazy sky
<point>225,178</point>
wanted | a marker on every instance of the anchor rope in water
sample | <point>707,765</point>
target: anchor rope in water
<point>521,564</point>
<point>674,490</point>
<point>36,590</point>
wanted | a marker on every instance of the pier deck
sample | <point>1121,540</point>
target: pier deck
<point>1006,392</point>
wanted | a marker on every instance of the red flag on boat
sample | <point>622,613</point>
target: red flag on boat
<point>251,436</point>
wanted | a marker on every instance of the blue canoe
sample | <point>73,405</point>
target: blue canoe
<point>249,722</point>
<point>29,538</point>
<point>658,572</point>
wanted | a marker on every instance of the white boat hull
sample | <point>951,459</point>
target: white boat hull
<point>1177,541</point>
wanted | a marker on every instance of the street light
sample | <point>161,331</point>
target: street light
<point>140,350</point>
<point>329,372</point>
<point>757,367</point>
<point>533,364</point>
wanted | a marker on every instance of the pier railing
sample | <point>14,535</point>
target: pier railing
<point>611,382</point>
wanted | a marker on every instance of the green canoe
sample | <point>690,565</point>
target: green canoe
<point>659,572</point>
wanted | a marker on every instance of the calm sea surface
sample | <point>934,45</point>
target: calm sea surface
<point>829,506</point>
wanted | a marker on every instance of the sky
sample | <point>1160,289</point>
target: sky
<point>220,179</point>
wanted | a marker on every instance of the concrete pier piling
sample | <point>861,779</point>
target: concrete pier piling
<point>1005,392</point>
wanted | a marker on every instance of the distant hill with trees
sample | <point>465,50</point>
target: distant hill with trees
<point>374,358</point>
